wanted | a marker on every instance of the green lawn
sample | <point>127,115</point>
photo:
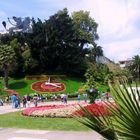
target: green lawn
<point>23,86</point>
<point>16,120</point>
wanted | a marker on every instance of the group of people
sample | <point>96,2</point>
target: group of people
<point>26,99</point>
<point>84,97</point>
<point>15,101</point>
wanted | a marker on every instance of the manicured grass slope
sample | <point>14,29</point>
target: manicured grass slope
<point>16,120</point>
<point>24,86</point>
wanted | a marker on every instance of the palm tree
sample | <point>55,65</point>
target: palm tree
<point>7,59</point>
<point>124,122</point>
<point>95,52</point>
<point>134,67</point>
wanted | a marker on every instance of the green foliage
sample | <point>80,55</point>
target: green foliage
<point>7,61</point>
<point>124,122</point>
<point>85,26</point>
<point>62,50</point>
<point>95,52</point>
<point>134,67</point>
<point>23,86</point>
<point>37,41</point>
<point>19,59</point>
<point>86,33</point>
<point>102,125</point>
<point>96,72</point>
<point>29,62</point>
<point>56,44</point>
<point>7,56</point>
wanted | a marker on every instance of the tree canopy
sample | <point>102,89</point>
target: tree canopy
<point>7,60</point>
<point>56,44</point>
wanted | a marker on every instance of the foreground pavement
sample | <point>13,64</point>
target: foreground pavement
<point>24,134</point>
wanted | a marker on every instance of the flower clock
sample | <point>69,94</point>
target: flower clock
<point>44,86</point>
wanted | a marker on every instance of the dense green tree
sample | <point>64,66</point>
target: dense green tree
<point>7,60</point>
<point>56,44</point>
<point>19,59</point>
<point>96,72</point>
<point>63,52</point>
<point>86,28</point>
<point>37,42</point>
<point>29,62</point>
<point>5,38</point>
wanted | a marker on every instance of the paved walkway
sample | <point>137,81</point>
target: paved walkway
<point>24,134</point>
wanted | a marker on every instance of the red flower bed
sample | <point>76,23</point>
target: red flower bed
<point>97,109</point>
<point>12,92</point>
<point>41,87</point>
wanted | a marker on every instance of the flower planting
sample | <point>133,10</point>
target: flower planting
<point>51,110</point>
<point>68,111</point>
<point>42,87</point>
<point>97,109</point>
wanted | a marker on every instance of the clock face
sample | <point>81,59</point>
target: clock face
<point>49,87</point>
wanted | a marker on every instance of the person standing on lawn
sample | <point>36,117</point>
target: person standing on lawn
<point>65,99</point>
<point>35,98</point>
<point>79,98</point>
<point>24,101</point>
<point>13,99</point>
<point>28,100</point>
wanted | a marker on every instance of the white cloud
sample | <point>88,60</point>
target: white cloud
<point>120,50</point>
<point>2,13</point>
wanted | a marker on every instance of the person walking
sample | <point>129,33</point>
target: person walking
<point>1,102</point>
<point>7,100</point>
<point>28,100</point>
<point>65,99</point>
<point>13,99</point>
<point>24,101</point>
<point>85,97</point>
<point>35,98</point>
<point>79,98</point>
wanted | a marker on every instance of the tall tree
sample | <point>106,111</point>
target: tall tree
<point>86,28</point>
<point>63,52</point>
<point>7,60</point>
<point>18,51</point>
<point>37,42</point>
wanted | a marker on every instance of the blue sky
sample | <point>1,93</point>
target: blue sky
<point>119,20</point>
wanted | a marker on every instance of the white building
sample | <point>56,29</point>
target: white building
<point>125,63</point>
